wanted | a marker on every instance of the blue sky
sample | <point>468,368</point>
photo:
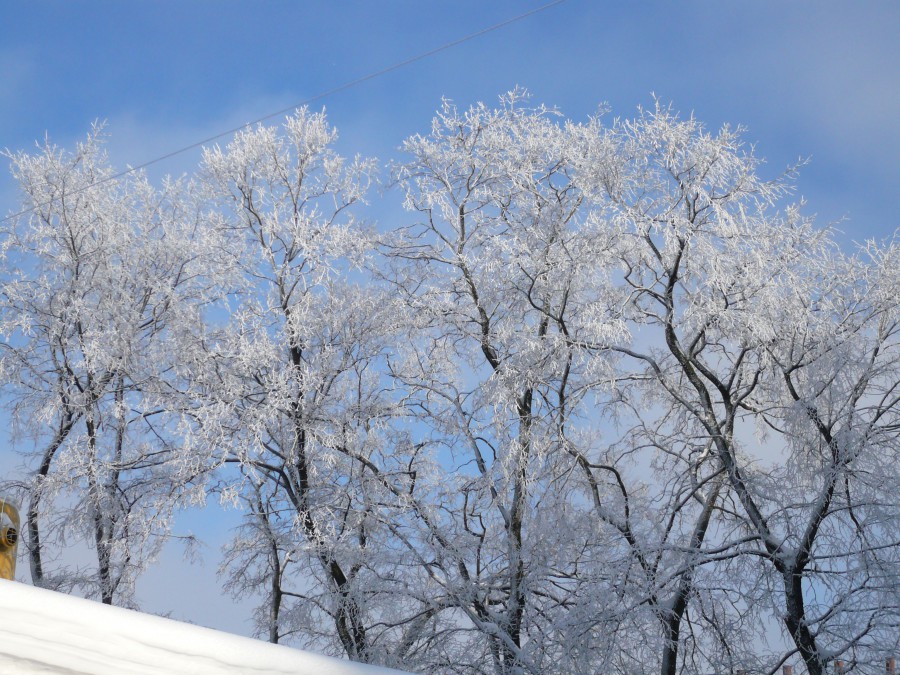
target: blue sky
<point>817,79</point>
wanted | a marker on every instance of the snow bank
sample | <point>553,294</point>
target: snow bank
<point>46,632</point>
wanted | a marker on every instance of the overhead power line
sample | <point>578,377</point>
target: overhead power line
<point>306,101</point>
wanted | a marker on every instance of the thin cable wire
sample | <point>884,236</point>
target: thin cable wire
<point>307,101</point>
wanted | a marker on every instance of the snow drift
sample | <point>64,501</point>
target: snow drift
<point>47,632</point>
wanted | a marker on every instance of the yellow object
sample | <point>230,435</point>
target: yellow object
<point>9,539</point>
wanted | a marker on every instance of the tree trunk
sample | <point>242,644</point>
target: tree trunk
<point>672,619</point>
<point>101,528</point>
<point>67,421</point>
<point>795,621</point>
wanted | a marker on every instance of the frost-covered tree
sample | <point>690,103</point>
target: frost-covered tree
<point>292,389</point>
<point>832,403</point>
<point>497,268</point>
<point>751,321</point>
<point>698,246</point>
<point>100,281</point>
<point>575,528</point>
<point>604,401</point>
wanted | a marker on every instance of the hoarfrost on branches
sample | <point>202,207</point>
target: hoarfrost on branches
<point>602,400</point>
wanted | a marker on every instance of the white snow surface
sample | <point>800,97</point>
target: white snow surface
<point>46,632</point>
